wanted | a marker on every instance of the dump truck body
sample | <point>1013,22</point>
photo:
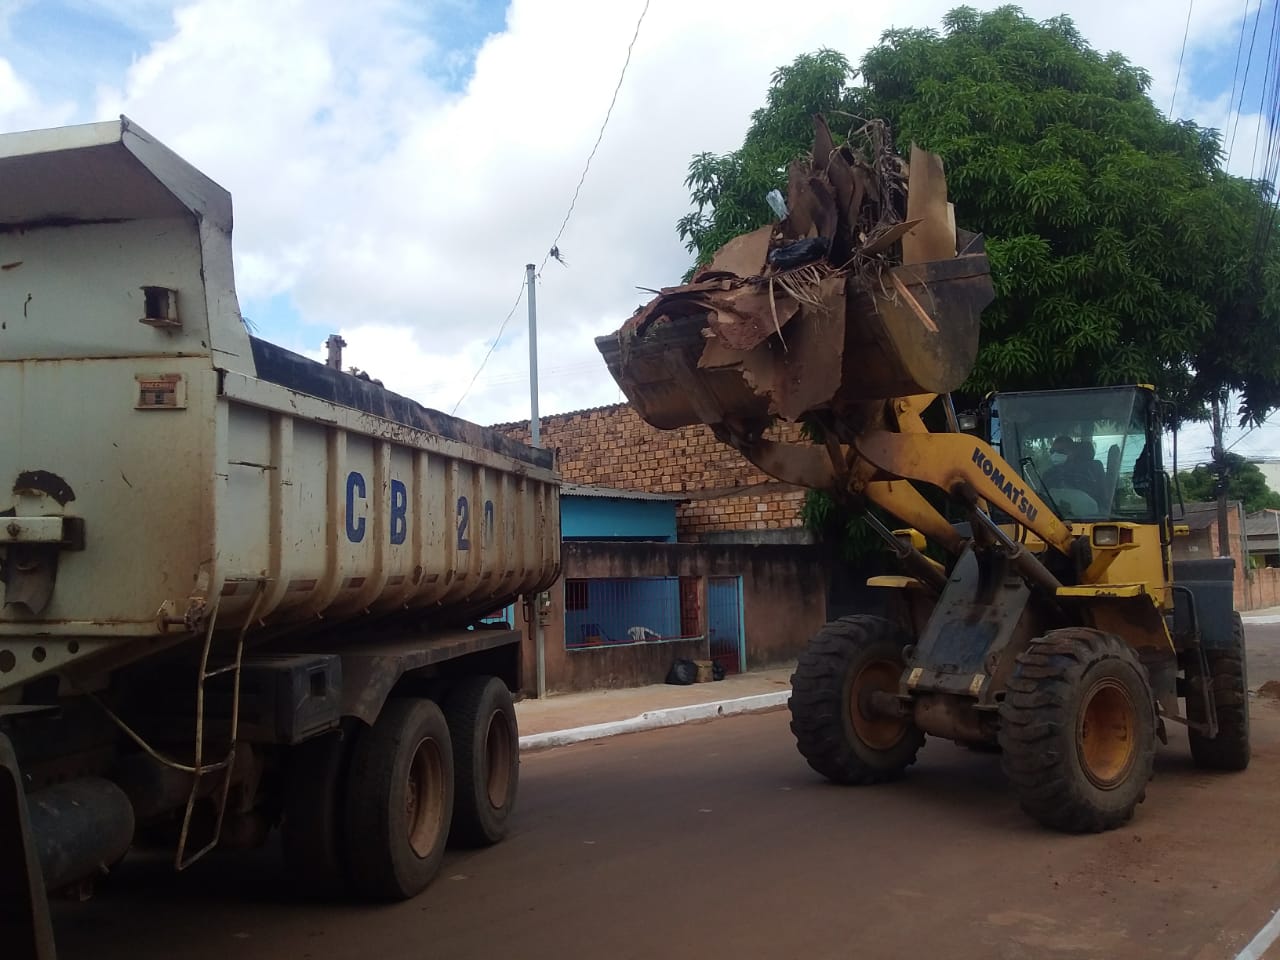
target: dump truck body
<point>206,539</point>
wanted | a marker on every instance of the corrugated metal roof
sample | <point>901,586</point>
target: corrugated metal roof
<point>1263,523</point>
<point>1201,516</point>
<point>612,493</point>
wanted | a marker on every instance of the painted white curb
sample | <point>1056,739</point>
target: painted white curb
<point>1268,935</point>
<point>655,719</point>
<point>1262,618</point>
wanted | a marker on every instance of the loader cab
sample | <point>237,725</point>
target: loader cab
<point>1093,454</point>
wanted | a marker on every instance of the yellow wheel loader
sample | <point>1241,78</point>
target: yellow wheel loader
<point>1057,627</point>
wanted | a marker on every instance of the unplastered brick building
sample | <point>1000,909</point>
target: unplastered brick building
<point>724,496</point>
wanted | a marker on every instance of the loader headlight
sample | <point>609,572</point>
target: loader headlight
<point>1106,536</point>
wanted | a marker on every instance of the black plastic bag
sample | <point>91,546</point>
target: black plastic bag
<point>799,253</point>
<point>683,673</point>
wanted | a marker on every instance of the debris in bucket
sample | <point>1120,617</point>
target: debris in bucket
<point>864,289</point>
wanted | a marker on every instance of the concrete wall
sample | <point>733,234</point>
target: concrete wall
<point>1262,590</point>
<point>784,604</point>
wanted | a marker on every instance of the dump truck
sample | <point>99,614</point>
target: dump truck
<point>241,589</point>
<point>1038,609</point>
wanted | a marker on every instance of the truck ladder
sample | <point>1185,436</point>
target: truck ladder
<point>226,765</point>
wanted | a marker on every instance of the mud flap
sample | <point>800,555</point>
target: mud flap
<point>25,930</point>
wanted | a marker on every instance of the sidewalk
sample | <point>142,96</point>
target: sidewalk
<point>574,717</point>
<point>1267,615</point>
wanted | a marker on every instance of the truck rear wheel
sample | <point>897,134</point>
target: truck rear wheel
<point>1229,680</point>
<point>399,801</point>
<point>835,730</point>
<point>486,757</point>
<point>1077,730</point>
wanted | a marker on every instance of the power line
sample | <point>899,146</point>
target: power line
<point>1269,114</point>
<point>1178,77</point>
<point>555,244</point>
<point>554,248</point>
<point>1248,63</point>
<point>1267,85</point>
<point>1235,74</point>
<point>502,326</point>
<point>509,379</point>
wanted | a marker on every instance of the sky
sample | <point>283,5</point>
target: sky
<point>394,164</point>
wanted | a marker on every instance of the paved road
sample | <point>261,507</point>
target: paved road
<point>1263,643</point>
<point>714,840</point>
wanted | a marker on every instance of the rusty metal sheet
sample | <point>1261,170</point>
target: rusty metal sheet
<point>749,315</point>
<point>811,205</point>
<point>935,237</point>
<point>810,376</point>
<point>743,256</point>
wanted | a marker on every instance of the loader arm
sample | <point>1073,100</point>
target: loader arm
<point>878,462</point>
<point>968,469</point>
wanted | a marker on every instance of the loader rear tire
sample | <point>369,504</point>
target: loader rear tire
<point>1077,730</point>
<point>486,757</point>
<point>399,801</point>
<point>1229,679</point>
<point>848,659</point>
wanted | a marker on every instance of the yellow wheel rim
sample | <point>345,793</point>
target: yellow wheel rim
<point>877,732</point>
<point>1105,735</point>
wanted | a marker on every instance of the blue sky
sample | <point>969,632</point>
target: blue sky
<point>395,163</point>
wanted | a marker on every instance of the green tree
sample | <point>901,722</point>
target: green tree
<point>1121,251</point>
<point>1245,482</point>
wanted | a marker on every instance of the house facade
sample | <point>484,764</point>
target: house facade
<point>674,547</point>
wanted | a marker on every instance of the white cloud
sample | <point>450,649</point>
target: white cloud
<point>21,106</point>
<point>402,213</point>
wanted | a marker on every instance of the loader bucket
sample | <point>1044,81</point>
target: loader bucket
<point>913,330</point>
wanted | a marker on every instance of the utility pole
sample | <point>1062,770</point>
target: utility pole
<point>535,439</point>
<point>1220,474</point>
<point>535,429</point>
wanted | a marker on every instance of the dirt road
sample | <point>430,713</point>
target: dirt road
<point>715,841</point>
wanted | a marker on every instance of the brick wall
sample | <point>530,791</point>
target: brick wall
<point>613,447</point>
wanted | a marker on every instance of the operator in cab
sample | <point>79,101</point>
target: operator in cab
<point>1074,478</point>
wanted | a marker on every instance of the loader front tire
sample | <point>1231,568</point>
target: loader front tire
<point>1077,730</point>
<point>1229,680</point>
<point>835,732</point>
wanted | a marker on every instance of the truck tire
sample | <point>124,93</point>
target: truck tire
<point>1077,730</point>
<point>1229,680</point>
<point>486,759</point>
<point>399,801</point>
<point>846,660</point>
<point>312,827</point>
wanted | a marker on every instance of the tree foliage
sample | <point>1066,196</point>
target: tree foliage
<point>1121,251</point>
<point>1245,482</point>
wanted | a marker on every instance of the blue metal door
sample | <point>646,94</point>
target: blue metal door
<point>724,623</point>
